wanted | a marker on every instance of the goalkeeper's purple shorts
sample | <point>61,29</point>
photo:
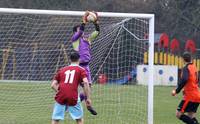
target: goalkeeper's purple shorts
<point>87,69</point>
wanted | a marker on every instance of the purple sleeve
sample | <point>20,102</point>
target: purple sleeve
<point>78,34</point>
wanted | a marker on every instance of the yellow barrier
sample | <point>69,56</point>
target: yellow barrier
<point>172,60</point>
<point>198,64</point>
<point>168,59</point>
<point>161,58</point>
<point>195,62</point>
<point>165,58</point>
<point>176,60</point>
<point>155,58</point>
<point>145,58</point>
<point>180,62</point>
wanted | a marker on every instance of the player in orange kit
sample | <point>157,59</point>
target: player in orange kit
<point>191,95</point>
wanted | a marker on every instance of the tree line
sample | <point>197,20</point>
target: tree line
<point>178,18</point>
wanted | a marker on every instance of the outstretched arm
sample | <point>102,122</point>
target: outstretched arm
<point>78,33</point>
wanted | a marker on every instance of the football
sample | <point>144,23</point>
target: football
<point>91,17</point>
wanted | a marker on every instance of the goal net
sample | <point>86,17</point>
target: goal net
<point>35,43</point>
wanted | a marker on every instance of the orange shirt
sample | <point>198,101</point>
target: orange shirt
<point>191,89</point>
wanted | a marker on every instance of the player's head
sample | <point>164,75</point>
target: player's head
<point>187,57</point>
<point>74,57</point>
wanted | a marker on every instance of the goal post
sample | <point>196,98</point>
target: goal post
<point>35,43</point>
<point>151,70</point>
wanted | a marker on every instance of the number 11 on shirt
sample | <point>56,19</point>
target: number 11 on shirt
<point>69,76</point>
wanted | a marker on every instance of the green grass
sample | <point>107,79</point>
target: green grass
<point>32,103</point>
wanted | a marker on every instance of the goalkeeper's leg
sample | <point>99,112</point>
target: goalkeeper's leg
<point>82,95</point>
<point>89,108</point>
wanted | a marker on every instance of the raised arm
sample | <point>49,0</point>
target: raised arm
<point>94,34</point>
<point>78,32</point>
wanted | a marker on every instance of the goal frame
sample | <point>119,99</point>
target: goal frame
<point>109,14</point>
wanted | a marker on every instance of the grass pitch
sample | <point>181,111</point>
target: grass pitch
<point>32,103</point>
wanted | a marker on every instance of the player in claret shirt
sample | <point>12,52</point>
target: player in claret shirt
<point>65,84</point>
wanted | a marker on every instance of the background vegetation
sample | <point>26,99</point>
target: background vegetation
<point>178,18</point>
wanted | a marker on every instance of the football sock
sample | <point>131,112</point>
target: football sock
<point>186,119</point>
<point>195,120</point>
<point>82,97</point>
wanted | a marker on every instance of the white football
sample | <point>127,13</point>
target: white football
<point>92,17</point>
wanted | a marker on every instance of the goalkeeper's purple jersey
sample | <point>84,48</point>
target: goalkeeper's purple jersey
<point>81,43</point>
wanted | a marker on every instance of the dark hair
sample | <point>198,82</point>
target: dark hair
<point>75,28</point>
<point>187,57</point>
<point>74,57</point>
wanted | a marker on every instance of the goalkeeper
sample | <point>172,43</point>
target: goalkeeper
<point>82,43</point>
